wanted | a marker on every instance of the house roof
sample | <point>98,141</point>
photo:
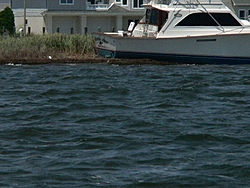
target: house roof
<point>115,8</point>
<point>112,10</point>
<point>29,12</point>
<point>4,4</point>
<point>241,2</point>
<point>90,13</point>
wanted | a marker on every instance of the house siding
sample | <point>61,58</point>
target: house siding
<point>4,5</point>
<point>55,5</point>
<point>32,4</point>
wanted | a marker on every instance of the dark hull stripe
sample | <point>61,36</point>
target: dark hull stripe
<point>189,59</point>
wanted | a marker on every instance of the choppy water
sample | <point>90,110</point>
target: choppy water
<point>100,125</point>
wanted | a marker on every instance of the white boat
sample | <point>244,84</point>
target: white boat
<point>186,31</point>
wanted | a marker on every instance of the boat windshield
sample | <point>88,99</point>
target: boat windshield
<point>205,19</point>
<point>156,17</point>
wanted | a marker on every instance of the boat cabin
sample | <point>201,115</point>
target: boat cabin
<point>186,18</point>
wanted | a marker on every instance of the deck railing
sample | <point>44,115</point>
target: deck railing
<point>97,6</point>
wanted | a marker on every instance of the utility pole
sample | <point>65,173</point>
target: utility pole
<point>24,17</point>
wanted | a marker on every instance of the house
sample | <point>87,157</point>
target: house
<point>76,16</point>
<point>242,8</point>
<point>34,21</point>
<point>87,16</point>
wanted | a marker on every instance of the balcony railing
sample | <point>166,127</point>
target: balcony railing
<point>98,6</point>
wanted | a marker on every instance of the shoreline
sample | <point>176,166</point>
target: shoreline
<point>94,60</point>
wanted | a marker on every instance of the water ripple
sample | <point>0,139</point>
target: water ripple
<point>98,125</point>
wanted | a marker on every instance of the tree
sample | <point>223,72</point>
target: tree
<point>7,21</point>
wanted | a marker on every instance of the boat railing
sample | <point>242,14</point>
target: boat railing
<point>211,16</point>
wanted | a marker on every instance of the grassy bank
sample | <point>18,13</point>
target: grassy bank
<point>57,46</point>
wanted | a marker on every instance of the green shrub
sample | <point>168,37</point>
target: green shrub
<point>7,21</point>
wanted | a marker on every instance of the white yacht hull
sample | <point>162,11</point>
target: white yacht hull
<point>224,48</point>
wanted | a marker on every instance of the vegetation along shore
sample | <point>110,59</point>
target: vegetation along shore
<point>46,48</point>
<point>55,48</point>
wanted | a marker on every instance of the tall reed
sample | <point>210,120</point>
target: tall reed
<point>42,46</point>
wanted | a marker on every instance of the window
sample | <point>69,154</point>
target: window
<point>248,15</point>
<point>91,1</point>
<point>124,2</point>
<point>242,14</point>
<point>156,17</point>
<point>137,3</point>
<point>204,19</point>
<point>66,2</point>
<point>153,16</point>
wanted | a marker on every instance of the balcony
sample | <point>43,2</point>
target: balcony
<point>98,6</point>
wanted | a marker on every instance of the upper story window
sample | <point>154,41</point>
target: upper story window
<point>242,14</point>
<point>66,2</point>
<point>204,19</point>
<point>91,1</point>
<point>124,2</point>
<point>137,3</point>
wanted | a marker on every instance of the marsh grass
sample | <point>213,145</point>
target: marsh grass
<point>43,46</point>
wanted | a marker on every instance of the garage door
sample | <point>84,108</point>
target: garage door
<point>64,25</point>
<point>104,23</point>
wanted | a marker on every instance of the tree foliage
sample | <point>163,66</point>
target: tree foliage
<point>7,21</point>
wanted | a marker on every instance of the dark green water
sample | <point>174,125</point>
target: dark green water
<point>98,125</point>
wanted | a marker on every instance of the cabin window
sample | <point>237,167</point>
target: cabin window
<point>156,17</point>
<point>66,2</point>
<point>204,19</point>
<point>153,16</point>
<point>242,14</point>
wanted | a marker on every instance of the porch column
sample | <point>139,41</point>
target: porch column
<point>119,22</point>
<point>83,24</point>
<point>48,23</point>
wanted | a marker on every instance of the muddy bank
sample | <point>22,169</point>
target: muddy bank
<point>83,60</point>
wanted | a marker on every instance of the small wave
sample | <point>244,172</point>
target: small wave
<point>13,64</point>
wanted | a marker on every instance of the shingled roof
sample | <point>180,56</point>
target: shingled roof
<point>241,2</point>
